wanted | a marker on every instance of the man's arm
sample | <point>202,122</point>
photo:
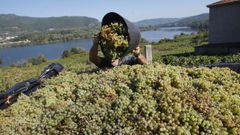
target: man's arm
<point>93,54</point>
<point>141,58</point>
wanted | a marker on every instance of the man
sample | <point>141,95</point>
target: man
<point>101,62</point>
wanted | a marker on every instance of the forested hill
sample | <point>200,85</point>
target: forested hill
<point>157,21</point>
<point>14,23</point>
<point>185,21</point>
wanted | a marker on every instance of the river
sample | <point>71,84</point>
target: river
<point>18,55</point>
<point>165,32</point>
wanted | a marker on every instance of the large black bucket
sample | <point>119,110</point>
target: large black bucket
<point>133,31</point>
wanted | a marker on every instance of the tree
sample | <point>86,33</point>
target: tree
<point>37,61</point>
<point>66,54</point>
<point>200,25</point>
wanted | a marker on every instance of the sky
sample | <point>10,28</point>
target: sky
<point>133,10</point>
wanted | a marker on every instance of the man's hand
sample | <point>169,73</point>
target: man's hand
<point>141,59</point>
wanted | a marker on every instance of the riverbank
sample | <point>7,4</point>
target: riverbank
<point>166,33</point>
<point>19,55</point>
<point>15,44</point>
<point>46,37</point>
<point>42,38</point>
<point>29,43</point>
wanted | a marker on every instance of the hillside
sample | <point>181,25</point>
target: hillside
<point>20,30</point>
<point>175,22</point>
<point>157,21</point>
<point>188,21</point>
<point>12,23</point>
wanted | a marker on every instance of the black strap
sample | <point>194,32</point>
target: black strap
<point>28,86</point>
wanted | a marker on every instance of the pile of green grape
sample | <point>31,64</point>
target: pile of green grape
<point>114,40</point>
<point>139,99</point>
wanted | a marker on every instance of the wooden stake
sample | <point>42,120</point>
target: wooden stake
<point>148,53</point>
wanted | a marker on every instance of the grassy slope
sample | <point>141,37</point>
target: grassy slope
<point>11,75</point>
<point>180,52</point>
<point>14,23</point>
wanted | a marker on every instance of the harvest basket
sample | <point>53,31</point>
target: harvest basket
<point>134,35</point>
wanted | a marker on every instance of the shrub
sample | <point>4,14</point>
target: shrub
<point>66,53</point>
<point>38,60</point>
<point>72,51</point>
<point>197,60</point>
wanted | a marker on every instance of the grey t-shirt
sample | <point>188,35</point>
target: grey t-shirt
<point>128,60</point>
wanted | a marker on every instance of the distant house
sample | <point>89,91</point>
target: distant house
<point>224,28</point>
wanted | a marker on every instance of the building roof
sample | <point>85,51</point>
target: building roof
<point>223,3</point>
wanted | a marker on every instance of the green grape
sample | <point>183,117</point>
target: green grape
<point>114,40</point>
<point>139,99</point>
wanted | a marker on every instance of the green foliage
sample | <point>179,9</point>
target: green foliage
<point>150,99</point>
<point>66,53</point>
<point>182,43</point>
<point>38,60</point>
<point>77,50</point>
<point>56,35</point>
<point>45,30</point>
<point>192,40</point>
<point>153,23</point>
<point>197,39</point>
<point>20,24</point>
<point>199,22</point>
<point>201,38</point>
<point>190,60</point>
<point>72,51</point>
<point>149,28</point>
<point>114,40</point>
<point>200,25</point>
<point>180,51</point>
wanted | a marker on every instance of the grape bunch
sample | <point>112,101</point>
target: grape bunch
<point>114,40</point>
